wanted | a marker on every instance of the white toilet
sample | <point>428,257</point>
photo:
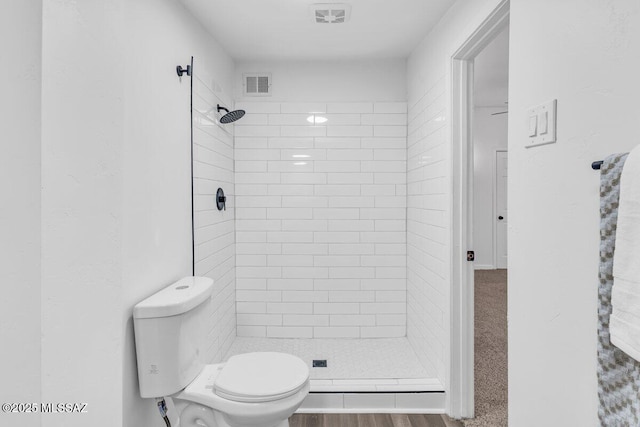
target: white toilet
<point>252,389</point>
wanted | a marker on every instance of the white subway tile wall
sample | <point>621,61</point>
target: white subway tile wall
<point>321,220</point>
<point>215,249</point>
<point>427,229</point>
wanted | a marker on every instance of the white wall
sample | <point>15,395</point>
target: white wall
<point>429,183</point>
<point>327,81</point>
<point>491,73</point>
<point>20,44</point>
<point>116,190</point>
<point>587,58</point>
<point>321,220</point>
<point>489,135</point>
<point>82,147</point>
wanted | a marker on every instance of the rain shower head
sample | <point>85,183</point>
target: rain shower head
<point>231,116</point>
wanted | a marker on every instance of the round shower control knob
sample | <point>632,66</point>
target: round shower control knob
<point>221,200</point>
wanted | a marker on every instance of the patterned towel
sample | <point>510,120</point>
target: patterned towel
<point>618,374</point>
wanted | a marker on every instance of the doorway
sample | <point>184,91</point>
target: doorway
<point>490,171</point>
<point>464,392</point>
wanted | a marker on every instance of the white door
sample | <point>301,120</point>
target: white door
<point>501,209</point>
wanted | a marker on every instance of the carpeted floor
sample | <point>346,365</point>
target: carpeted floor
<point>490,349</point>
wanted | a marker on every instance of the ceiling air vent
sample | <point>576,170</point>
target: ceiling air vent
<point>330,13</point>
<point>257,84</point>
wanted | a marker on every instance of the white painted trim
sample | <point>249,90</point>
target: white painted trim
<point>484,267</point>
<point>460,402</point>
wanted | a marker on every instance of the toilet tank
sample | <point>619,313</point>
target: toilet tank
<point>169,333</point>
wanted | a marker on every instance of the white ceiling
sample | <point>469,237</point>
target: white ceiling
<point>491,73</point>
<point>284,29</point>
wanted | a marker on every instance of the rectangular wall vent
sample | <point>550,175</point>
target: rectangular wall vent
<point>330,13</point>
<point>257,84</point>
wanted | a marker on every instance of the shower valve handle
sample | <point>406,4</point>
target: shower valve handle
<point>221,200</point>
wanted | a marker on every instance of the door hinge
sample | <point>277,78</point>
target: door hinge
<point>471,256</point>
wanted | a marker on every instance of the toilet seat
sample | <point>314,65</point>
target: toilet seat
<point>261,377</point>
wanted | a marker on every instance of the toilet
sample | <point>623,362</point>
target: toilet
<point>249,390</point>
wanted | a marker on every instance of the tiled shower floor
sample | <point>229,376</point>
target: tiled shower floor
<point>352,365</point>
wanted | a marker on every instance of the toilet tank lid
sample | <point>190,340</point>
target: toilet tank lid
<point>177,298</point>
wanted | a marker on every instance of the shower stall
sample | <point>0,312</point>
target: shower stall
<point>320,251</point>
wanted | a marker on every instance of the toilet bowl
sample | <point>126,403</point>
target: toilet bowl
<point>249,390</point>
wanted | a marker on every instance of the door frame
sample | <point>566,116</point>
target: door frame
<point>495,204</point>
<point>460,402</point>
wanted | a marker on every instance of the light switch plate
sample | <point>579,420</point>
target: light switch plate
<point>545,117</point>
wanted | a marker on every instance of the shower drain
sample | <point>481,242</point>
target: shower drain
<point>320,363</point>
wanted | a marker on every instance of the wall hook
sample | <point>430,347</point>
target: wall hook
<point>181,70</point>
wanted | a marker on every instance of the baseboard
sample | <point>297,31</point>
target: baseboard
<point>382,403</point>
<point>484,267</point>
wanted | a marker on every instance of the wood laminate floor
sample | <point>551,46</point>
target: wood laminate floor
<point>371,420</point>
